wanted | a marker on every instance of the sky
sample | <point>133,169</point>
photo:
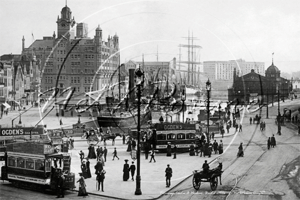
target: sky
<point>225,30</point>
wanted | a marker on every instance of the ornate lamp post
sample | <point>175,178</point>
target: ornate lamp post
<point>139,83</point>
<point>279,116</point>
<point>208,88</point>
<point>183,98</point>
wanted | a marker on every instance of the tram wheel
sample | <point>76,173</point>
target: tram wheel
<point>214,183</point>
<point>196,183</point>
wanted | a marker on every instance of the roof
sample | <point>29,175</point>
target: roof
<point>9,57</point>
<point>272,69</point>
<point>37,44</point>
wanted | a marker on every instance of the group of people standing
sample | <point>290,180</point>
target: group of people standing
<point>271,142</point>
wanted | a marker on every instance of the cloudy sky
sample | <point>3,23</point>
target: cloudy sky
<point>226,30</point>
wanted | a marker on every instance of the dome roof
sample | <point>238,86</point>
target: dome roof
<point>66,9</point>
<point>272,69</point>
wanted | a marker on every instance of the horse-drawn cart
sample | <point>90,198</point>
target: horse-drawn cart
<point>211,177</point>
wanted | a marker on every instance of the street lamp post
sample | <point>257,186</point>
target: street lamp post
<point>208,88</point>
<point>183,98</point>
<point>139,81</point>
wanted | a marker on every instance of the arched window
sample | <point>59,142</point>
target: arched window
<point>180,136</point>
<point>171,136</point>
<point>190,136</point>
<point>161,137</point>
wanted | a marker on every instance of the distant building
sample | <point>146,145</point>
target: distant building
<point>75,60</point>
<point>255,87</point>
<point>223,70</point>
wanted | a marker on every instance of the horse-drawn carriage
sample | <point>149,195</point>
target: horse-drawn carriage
<point>211,176</point>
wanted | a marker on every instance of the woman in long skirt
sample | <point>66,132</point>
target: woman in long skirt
<point>82,186</point>
<point>126,171</point>
<point>88,170</point>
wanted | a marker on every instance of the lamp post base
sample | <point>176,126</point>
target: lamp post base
<point>138,185</point>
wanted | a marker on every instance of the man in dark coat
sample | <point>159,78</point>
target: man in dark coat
<point>60,184</point>
<point>81,154</point>
<point>215,146</point>
<point>132,170</point>
<point>126,171</point>
<point>105,153</point>
<point>98,151</point>
<point>205,167</point>
<point>147,148</point>
<point>168,175</point>
<point>169,149</point>
<point>100,178</point>
<point>175,151</point>
<point>269,142</point>
<point>273,141</point>
<point>98,167</point>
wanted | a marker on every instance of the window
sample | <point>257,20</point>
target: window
<point>161,137</point>
<point>29,164</point>
<point>171,136</point>
<point>190,136</point>
<point>20,162</point>
<point>180,136</point>
<point>11,162</point>
<point>39,165</point>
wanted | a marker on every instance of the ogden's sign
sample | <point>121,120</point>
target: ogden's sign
<point>21,131</point>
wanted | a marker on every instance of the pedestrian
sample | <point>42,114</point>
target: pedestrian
<point>241,151</point>
<point>126,171</point>
<point>236,127</point>
<point>115,153</point>
<point>129,145</point>
<point>113,141</point>
<point>98,152</point>
<point>100,179</point>
<point>91,154</point>
<point>220,148</point>
<point>82,186</point>
<point>241,128</point>
<point>269,142</point>
<point>213,135</point>
<point>132,170</point>
<point>161,119</point>
<point>192,149</point>
<point>273,141</point>
<point>227,128</point>
<point>60,184</point>
<point>175,151</point>
<point>98,167</point>
<point>152,156</point>
<point>133,144</point>
<point>169,149</point>
<point>88,170</point>
<point>168,175</point>
<point>250,120</point>
<point>84,169</point>
<point>146,150</point>
<point>105,153</point>
<point>123,138</point>
<point>71,143</point>
<point>81,154</point>
<point>215,146</point>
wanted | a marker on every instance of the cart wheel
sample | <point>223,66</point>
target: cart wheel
<point>214,183</point>
<point>196,183</point>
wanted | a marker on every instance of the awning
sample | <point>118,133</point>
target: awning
<point>57,155</point>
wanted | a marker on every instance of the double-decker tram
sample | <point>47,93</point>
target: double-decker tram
<point>181,134</point>
<point>37,165</point>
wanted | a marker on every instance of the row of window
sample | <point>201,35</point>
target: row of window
<point>172,136</point>
<point>75,79</point>
<point>28,163</point>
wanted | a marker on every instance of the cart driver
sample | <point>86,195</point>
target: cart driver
<point>205,167</point>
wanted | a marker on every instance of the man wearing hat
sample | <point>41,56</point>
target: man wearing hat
<point>168,175</point>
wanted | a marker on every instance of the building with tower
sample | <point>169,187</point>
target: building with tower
<point>69,59</point>
<point>256,87</point>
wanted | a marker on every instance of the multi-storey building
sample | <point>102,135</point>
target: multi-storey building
<point>223,70</point>
<point>77,61</point>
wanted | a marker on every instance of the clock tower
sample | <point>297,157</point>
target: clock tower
<point>65,23</point>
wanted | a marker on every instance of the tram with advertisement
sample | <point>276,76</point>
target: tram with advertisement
<point>10,135</point>
<point>181,134</point>
<point>37,165</point>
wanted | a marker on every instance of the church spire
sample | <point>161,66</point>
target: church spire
<point>273,58</point>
